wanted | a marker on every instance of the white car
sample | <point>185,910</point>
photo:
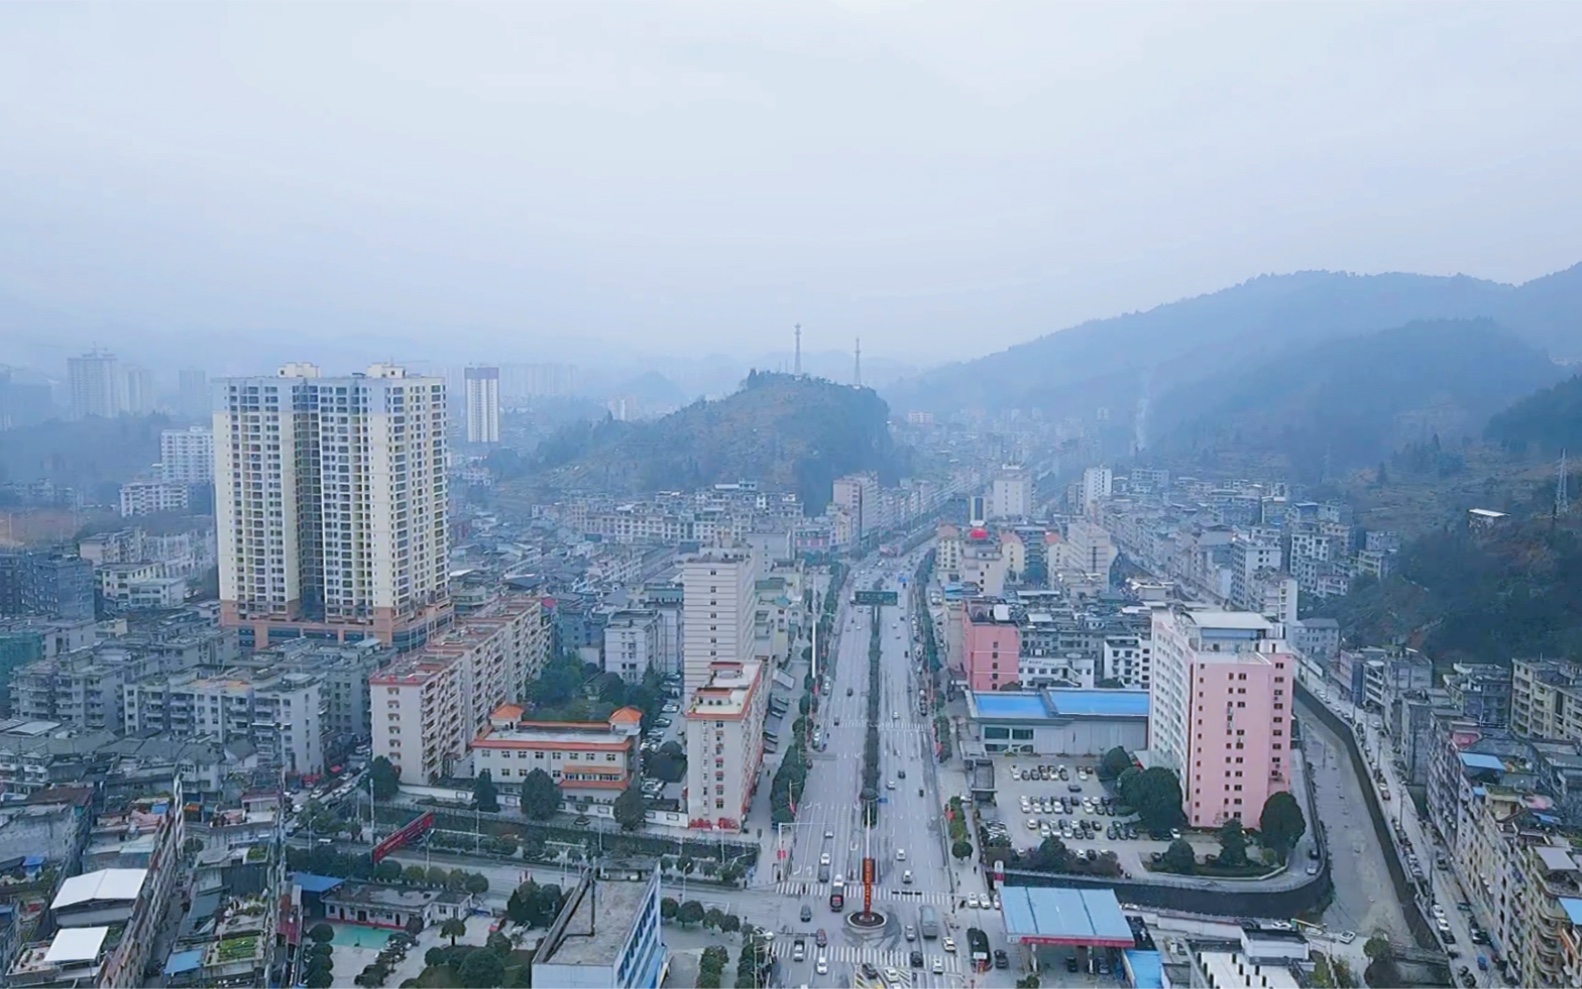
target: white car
<point>906,877</point>
<point>821,966</point>
<point>1032,824</point>
<point>972,901</point>
<point>892,976</point>
<point>950,945</point>
<point>939,965</point>
<point>824,859</point>
<point>900,855</point>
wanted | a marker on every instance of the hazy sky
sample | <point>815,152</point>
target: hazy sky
<point>487,181</point>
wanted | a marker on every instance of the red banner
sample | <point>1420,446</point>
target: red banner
<point>405,834</point>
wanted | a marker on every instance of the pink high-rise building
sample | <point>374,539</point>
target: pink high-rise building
<point>991,645</point>
<point>1221,711</point>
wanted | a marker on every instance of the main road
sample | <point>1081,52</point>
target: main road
<point>907,841</point>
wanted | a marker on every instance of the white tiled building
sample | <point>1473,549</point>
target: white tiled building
<point>725,745</point>
<point>331,503</point>
<point>186,456</point>
<point>718,601</point>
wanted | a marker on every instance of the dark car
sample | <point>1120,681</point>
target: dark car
<point>1312,853</point>
<point>868,971</point>
<point>917,959</point>
<point>1000,959</point>
<point>900,774</point>
<point>821,938</point>
<point>1071,963</point>
<point>807,913</point>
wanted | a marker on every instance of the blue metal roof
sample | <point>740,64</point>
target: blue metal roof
<point>1059,702</point>
<point>313,883</point>
<point>1573,908</point>
<point>1064,916</point>
<point>1481,760</point>
<point>1147,969</point>
<point>1101,703</point>
<point>184,961</point>
<point>1018,704</point>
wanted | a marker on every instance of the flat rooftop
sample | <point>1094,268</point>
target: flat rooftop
<point>1040,915</point>
<point>1058,703</point>
<point>615,906</point>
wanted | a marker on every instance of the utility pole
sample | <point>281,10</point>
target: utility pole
<point>857,365</point>
<point>797,366</point>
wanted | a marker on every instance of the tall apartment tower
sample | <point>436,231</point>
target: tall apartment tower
<point>97,385</point>
<point>193,392</point>
<point>717,614</point>
<point>330,505</point>
<point>483,404</point>
<point>186,456</point>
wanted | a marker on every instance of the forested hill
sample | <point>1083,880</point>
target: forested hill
<point>1547,421</point>
<point>789,433</point>
<point>1352,402</point>
<point>1463,596</point>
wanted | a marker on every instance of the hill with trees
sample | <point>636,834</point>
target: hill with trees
<point>1126,362</point>
<point>788,433</point>
<point>1353,402</point>
<point>1477,597</point>
<point>1545,422</point>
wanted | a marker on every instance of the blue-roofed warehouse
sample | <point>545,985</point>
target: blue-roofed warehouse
<point>1059,721</point>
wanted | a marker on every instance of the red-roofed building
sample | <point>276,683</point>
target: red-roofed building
<point>590,760</point>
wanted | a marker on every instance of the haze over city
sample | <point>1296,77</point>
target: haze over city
<point>941,180</point>
<point>879,495</point>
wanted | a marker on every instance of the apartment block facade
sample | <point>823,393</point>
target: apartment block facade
<point>991,645</point>
<point>1221,711</point>
<point>591,762</point>
<point>725,745</point>
<point>429,705</point>
<point>331,504</point>
<point>1546,698</point>
<point>281,714</point>
<point>718,600</point>
<point>483,404</point>
<point>186,456</point>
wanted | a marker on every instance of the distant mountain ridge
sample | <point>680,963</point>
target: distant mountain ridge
<point>789,433</point>
<point>1113,363</point>
<point>1351,402</point>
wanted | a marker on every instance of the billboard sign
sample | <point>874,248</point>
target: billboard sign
<point>403,836</point>
<point>876,597</point>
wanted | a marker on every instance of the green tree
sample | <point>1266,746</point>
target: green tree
<point>457,880</point>
<point>1115,762</point>
<point>484,795</point>
<point>1179,857</point>
<point>630,809</point>
<point>1156,796</point>
<point>321,933</point>
<point>1282,824</point>
<point>481,970</point>
<point>415,874</point>
<point>668,908</point>
<point>730,923</point>
<point>453,928</point>
<point>388,871</point>
<point>961,848</point>
<point>1376,948</point>
<point>1232,844</point>
<point>387,778</point>
<point>320,978</point>
<point>476,883</point>
<point>540,796</point>
<point>414,924</point>
<point>690,913</point>
<point>438,875</point>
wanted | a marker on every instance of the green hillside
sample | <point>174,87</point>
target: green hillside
<point>788,433</point>
<point>1353,402</point>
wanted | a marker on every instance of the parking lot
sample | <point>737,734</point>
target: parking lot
<point>1057,806</point>
<point>675,730</point>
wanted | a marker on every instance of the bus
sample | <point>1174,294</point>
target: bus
<point>837,895</point>
<point>928,921</point>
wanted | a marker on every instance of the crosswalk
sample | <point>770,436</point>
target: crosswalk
<point>855,955</point>
<point>799,888</point>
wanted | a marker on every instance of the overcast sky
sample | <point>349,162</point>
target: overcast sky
<point>943,179</point>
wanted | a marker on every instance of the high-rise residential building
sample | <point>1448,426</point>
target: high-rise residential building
<point>186,456</point>
<point>631,644</point>
<point>1097,483</point>
<point>192,392</point>
<point>1011,496</point>
<point>46,585</point>
<point>428,706</point>
<point>717,601</point>
<point>97,385</point>
<point>991,645</point>
<point>1546,698</point>
<point>1221,711</point>
<point>280,713</point>
<point>483,404</point>
<point>330,504</point>
<point>725,745</point>
<point>138,391</point>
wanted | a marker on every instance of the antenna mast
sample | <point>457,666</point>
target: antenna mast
<point>1562,487</point>
<point>857,365</point>
<point>797,367</point>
